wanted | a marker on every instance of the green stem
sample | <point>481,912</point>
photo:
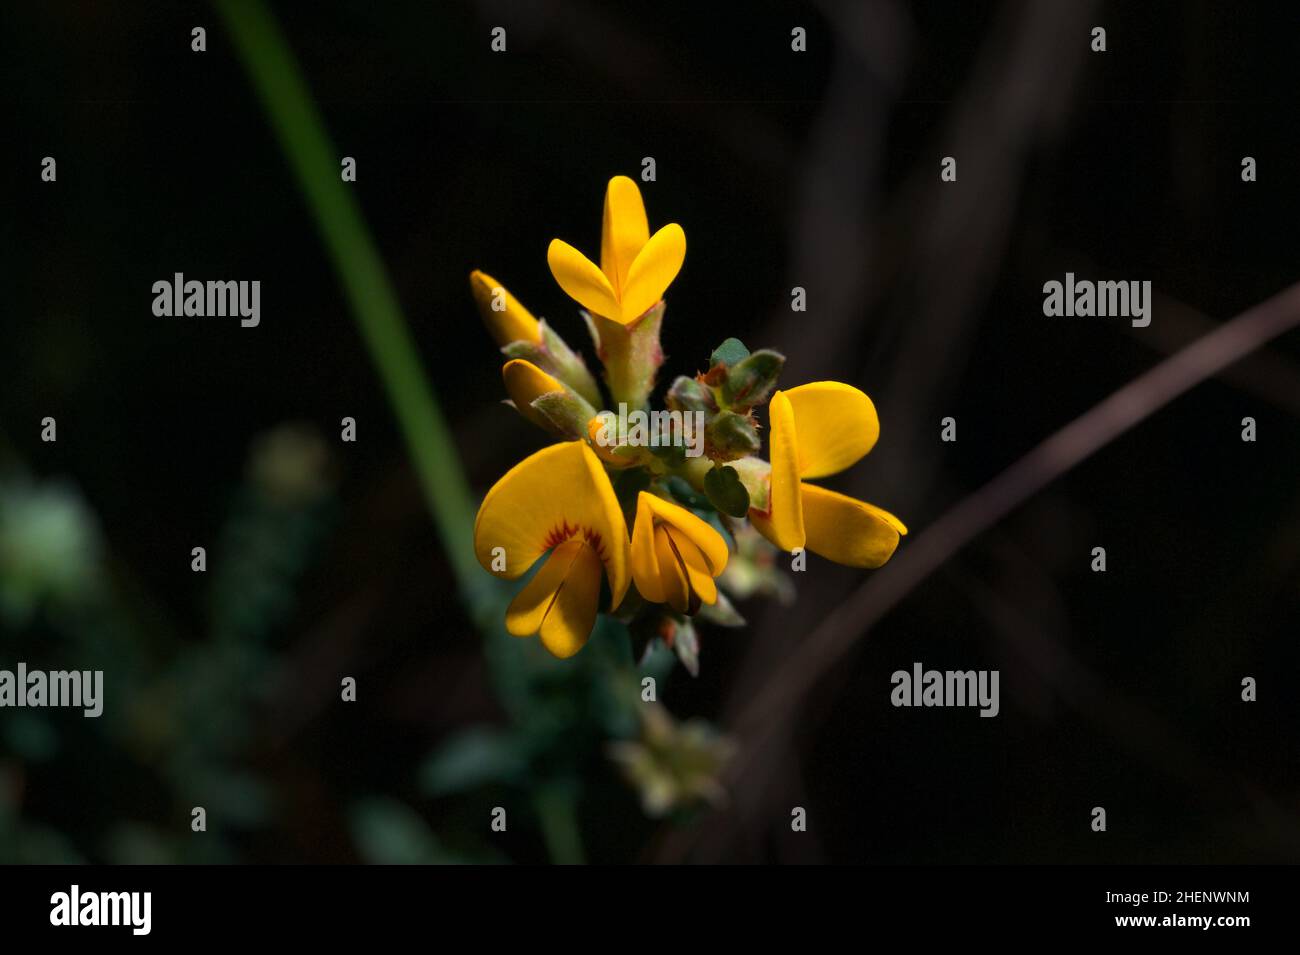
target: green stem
<point>316,164</point>
<point>558,816</point>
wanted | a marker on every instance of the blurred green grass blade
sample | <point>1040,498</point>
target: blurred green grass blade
<point>301,133</point>
<point>557,812</point>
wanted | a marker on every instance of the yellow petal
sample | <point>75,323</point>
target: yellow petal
<point>672,575</point>
<point>644,560</point>
<point>583,282</point>
<point>606,451</point>
<point>836,424</point>
<point>559,603</point>
<point>566,628</point>
<point>526,612</point>
<point>513,322</point>
<point>558,493</point>
<point>708,541</point>
<point>524,381</point>
<point>624,231</point>
<point>849,531</point>
<point>652,271</point>
<point>695,565</point>
<point>782,523</point>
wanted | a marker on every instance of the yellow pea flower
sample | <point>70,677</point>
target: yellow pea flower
<point>635,267</point>
<point>675,555</point>
<point>503,314</point>
<point>819,429</point>
<point>557,500</point>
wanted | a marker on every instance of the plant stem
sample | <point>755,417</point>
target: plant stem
<point>557,814</point>
<point>301,133</point>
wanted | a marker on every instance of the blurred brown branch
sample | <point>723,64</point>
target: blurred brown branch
<point>1049,460</point>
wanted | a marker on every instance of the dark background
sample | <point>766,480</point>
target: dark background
<point>818,169</point>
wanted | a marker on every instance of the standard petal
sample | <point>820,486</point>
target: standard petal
<point>558,493</point>
<point>582,281</point>
<point>653,270</point>
<point>782,523</point>
<point>849,531</point>
<point>505,317</point>
<point>707,540</point>
<point>836,423</point>
<point>624,230</point>
<point>568,623</point>
<point>645,563</point>
<point>524,381</point>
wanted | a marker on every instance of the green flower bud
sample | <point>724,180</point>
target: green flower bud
<point>750,381</point>
<point>729,436</point>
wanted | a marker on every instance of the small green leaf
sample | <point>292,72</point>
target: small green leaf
<point>388,832</point>
<point>475,757</point>
<point>729,353</point>
<point>723,613</point>
<point>725,491</point>
<point>686,643</point>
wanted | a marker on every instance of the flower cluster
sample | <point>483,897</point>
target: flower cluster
<point>573,501</point>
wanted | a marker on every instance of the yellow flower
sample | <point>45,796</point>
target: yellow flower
<point>635,267</point>
<point>505,317</point>
<point>819,429</point>
<point>557,500</point>
<point>675,555</point>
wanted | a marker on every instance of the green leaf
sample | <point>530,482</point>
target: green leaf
<point>686,643</point>
<point>475,757</point>
<point>723,613</point>
<point>729,353</point>
<point>726,492</point>
<point>656,660</point>
<point>388,832</point>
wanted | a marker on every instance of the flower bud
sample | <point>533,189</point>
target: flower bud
<point>504,316</point>
<point>729,436</point>
<point>545,401</point>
